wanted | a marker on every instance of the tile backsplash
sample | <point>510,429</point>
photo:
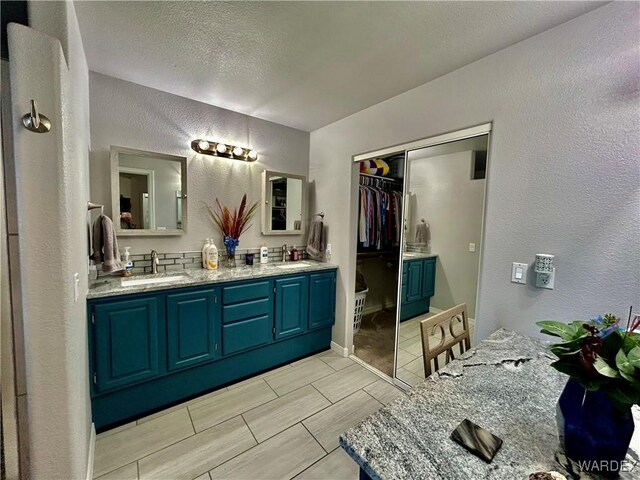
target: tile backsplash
<point>171,261</point>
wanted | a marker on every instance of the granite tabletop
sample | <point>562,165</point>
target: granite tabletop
<point>111,286</point>
<point>505,385</point>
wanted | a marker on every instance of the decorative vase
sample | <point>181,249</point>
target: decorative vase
<point>593,432</point>
<point>231,244</point>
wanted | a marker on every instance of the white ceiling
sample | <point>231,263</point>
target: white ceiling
<point>302,64</point>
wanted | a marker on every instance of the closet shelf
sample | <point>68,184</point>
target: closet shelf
<point>380,253</point>
<point>378,177</point>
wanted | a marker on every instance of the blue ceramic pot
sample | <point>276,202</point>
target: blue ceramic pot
<point>593,433</point>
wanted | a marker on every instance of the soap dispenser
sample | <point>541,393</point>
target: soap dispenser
<point>128,263</point>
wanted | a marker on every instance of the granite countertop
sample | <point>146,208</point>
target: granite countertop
<point>111,286</point>
<point>417,255</point>
<point>505,385</point>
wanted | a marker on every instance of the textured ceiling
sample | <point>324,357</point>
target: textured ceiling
<point>302,64</point>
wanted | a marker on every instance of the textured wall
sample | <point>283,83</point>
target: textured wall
<point>130,115</point>
<point>52,189</point>
<point>563,175</point>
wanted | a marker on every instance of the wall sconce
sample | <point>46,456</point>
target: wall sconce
<point>218,149</point>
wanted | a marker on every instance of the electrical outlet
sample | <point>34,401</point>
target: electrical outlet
<point>328,248</point>
<point>546,279</point>
<point>472,247</point>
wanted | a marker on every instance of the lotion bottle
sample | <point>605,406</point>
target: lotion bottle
<point>207,242</point>
<point>264,254</point>
<point>212,256</point>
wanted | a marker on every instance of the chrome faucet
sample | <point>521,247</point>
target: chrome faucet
<point>285,253</point>
<point>154,261</point>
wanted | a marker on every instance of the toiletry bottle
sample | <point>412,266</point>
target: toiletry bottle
<point>295,255</point>
<point>264,254</point>
<point>128,264</point>
<point>212,256</point>
<point>204,253</point>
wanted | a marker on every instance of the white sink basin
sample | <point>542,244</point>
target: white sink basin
<point>292,266</point>
<point>150,281</point>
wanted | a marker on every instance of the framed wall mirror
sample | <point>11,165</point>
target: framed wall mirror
<point>148,192</point>
<point>283,203</point>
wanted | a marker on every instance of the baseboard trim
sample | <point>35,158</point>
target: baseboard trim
<point>435,310</point>
<point>92,452</point>
<point>340,350</point>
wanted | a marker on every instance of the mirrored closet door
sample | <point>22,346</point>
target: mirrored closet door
<point>443,221</point>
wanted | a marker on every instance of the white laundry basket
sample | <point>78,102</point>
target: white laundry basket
<point>361,297</point>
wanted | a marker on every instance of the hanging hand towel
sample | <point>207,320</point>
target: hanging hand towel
<point>105,245</point>
<point>315,243</point>
<point>422,234</point>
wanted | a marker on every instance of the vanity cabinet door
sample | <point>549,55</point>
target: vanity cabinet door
<point>292,306</point>
<point>414,281</point>
<point>428,277</point>
<point>322,299</point>
<point>126,341</point>
<point>193,328</point>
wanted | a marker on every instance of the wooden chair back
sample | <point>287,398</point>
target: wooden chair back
<point>442,324</point>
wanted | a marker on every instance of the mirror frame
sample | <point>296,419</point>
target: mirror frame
<point>265,202</point>
<point>115,192</point>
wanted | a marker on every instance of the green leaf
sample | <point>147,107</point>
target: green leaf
<point>569,367</point>
<point>634,357</point>
<point>604,369</point>
<point>623,364</point>
<point>558,329</point>
<point>631,340</point>
<point>567,348</point>
<point>624,397</point>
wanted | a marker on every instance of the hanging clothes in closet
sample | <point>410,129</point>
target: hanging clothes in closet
<point>380,213</point>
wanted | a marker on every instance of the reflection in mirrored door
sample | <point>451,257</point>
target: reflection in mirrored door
<point>444,210</point>
<point>380,201</point>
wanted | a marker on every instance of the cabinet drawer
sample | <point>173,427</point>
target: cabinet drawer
<point>242,311</point>
<point>246,292</point>
<point>246,334</point>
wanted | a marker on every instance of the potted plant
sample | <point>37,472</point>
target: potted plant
<point>594,417</point>
<point>232,224</point>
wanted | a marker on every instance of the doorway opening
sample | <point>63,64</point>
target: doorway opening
<point>381,184</point>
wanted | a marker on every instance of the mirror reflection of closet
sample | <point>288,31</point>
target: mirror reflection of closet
<point>445,189</point>
<point>378,256</point>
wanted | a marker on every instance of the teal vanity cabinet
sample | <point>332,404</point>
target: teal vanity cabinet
<point>322,299</point>
<point>151,350</point>
<point>193,328</point>
<point>126,342</point>
<point>292,305</point>
<point>418,286</point>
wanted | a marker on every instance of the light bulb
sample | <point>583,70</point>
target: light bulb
<point>203,145</point>
<point>238,151</point>
<point>253,154</point>
<point>221,148</point>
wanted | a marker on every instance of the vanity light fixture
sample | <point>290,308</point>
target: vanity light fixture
<point>216,149</point>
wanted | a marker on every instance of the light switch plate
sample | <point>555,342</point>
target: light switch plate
<point>76,287</point>
<point>519,273</point>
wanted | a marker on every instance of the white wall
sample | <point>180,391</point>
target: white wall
<point>563,175</point>
<point>452,204</point>
<point>51,179</point>
<point>130,115</point>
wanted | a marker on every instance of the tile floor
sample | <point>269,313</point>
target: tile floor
<point>410,363</point>
<point>279,425</point>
